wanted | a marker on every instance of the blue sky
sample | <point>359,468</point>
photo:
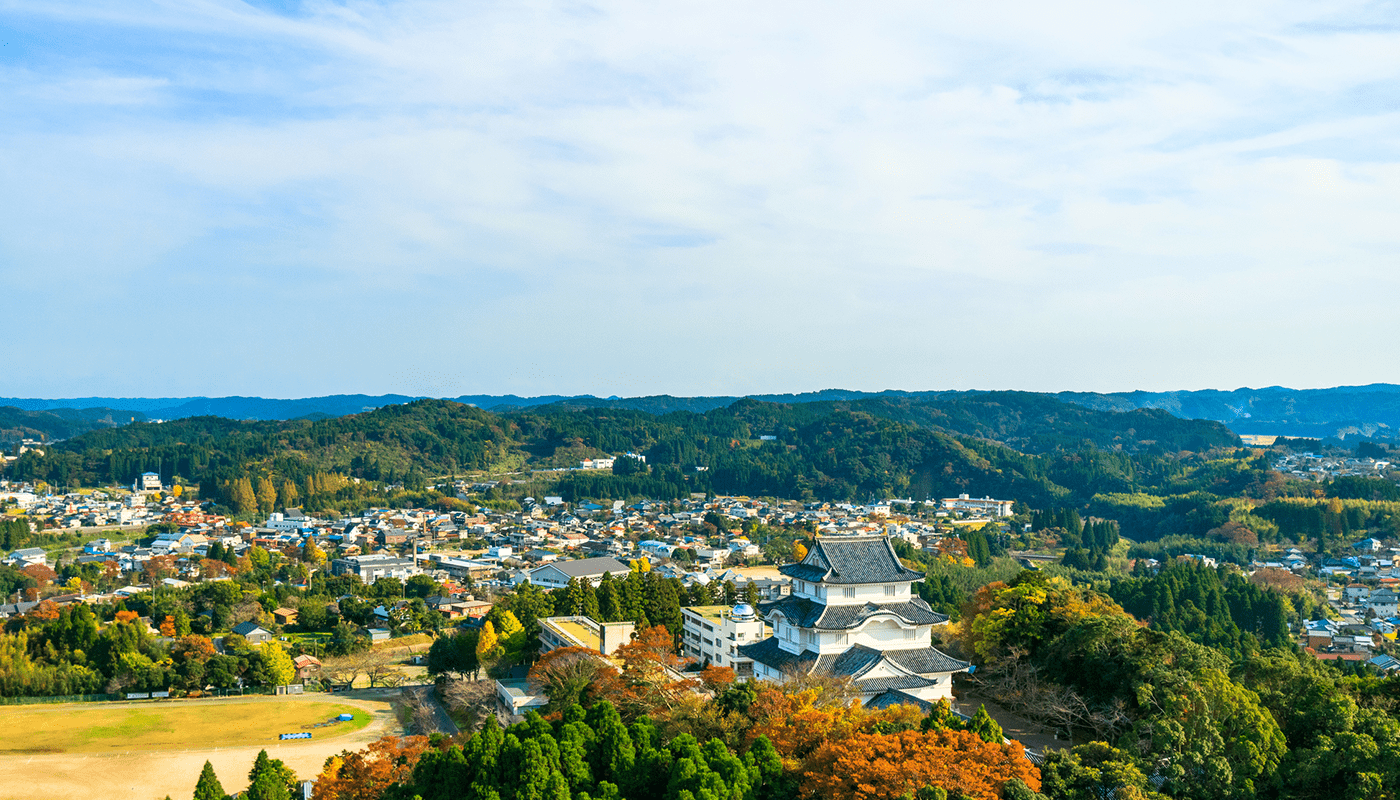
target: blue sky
<point>287,198</point>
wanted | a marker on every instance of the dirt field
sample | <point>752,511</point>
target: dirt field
<point>155,773</point>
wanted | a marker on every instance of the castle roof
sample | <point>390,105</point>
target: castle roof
<point>851,560</point>
<point>804,613</point>
<point>857,661</point>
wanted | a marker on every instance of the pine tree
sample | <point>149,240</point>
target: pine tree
<point>984,726</point>
<point>589,602</point>
<point>269,779</point>
<point>209,787</point>
<point>609,600</point>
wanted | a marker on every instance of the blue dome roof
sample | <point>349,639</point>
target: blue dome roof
<point>743,611</point>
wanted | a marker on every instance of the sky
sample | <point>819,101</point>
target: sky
<point>286,199</point>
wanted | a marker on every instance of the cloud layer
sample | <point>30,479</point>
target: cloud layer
<point>284,198</point>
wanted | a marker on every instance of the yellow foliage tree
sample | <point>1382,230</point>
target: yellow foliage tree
<point>488,645</point>
<point>799,550</point>
<point>280,669</point>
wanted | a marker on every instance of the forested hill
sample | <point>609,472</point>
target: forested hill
<point>1344,411</point>
<point>834,451</point>
<point>18,424</point>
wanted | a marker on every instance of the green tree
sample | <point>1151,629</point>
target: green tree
<point>270,779</point>
<point>208,787</point>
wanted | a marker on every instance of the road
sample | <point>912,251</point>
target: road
<point>441,719</point>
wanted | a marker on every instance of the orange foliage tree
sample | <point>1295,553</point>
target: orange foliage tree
<point>649,680</point>
<point>127,616</point>
<point>885,766</point>
<point>365,774</point>
<point>799,723</point>
<point>42,574</point>
<point>717,679</point>
<point>44,612</point>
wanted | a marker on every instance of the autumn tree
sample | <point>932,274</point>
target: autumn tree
<point>267,495</point>
<point>879,766</point>
<point>649,679</point>
<point>365,774</point>
<point>280,669</point>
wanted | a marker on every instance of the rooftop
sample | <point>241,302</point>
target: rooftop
<point>851,560</point>
<point>570,628</point>
<point>712,613</point>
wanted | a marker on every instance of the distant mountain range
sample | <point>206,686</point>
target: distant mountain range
<point>1342,412</point>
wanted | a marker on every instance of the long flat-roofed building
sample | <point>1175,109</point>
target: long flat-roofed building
<point>713,634</point>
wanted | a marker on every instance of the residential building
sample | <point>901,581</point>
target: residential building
<point>374,566</point>
<point>28,555</point>
<point>253,632</point>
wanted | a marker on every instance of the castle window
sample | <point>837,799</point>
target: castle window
<point>849,592</point>
<point>889,590</point>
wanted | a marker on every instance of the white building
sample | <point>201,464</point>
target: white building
<point>713,635</point>
<point>558,574</point>
<point>148,482</point>
<point>982,505</point>
<point>853,613</point>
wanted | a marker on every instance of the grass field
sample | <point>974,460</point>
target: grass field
<point>124,727</point>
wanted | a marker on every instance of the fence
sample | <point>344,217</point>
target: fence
<point>63,698</point>
<point>99,698</point>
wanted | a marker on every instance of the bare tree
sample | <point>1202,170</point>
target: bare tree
<point>469,702</point>
<point>420,713</point>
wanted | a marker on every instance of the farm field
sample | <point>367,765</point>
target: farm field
<point>165,768</point>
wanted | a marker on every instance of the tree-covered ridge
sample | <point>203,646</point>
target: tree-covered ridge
<point>60,423</point>
<point>829,451</point>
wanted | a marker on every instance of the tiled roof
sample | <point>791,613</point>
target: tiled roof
<point>806,613</point>
<point>849,560</point>
<point>853,662</point>
<point>893,682</point>
<point>769,653</point>
<point>925,660</point>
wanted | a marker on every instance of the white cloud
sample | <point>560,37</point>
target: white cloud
<point>631,198</point>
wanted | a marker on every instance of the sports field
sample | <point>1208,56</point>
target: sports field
<point>130,727</point>
<point>153,761</point>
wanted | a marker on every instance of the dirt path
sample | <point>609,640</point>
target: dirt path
<point>153,775</point>
<point>1032,735</point>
